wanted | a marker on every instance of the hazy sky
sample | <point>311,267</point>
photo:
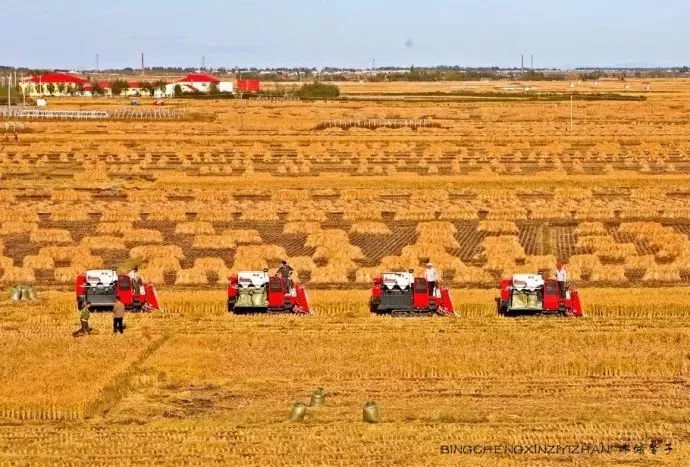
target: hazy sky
<point>69,33</point>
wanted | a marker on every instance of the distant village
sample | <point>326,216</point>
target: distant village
<point>72,84</point>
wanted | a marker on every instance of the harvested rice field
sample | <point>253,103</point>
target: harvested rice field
<point>494,187</point>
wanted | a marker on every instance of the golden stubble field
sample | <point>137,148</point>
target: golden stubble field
<point>498,187</point>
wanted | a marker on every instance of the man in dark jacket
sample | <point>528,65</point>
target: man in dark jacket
<point>284,271</point>
<point>118,316</point>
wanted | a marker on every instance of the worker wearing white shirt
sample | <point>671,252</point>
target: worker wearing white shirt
<point>431,277</point>
<point>135,279</point>
<point>561,277</point>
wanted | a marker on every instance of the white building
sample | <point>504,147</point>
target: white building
<point>54,84</point>
<point>199,82</point>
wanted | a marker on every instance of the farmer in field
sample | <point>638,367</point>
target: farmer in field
<point>285,271</point>
<point>561,277</point>
<point>118,316</point>
<point>84,315</point>
<point>431,277</point>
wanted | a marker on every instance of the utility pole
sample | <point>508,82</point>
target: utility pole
<point>23,90</point>
<point>203,62</point>
<point>142,64</point>
<point>531,61</point>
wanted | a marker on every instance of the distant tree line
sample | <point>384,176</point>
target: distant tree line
<point>15,95</point>
<point>317,90</point>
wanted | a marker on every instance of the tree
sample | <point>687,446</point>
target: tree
<point>318,90</point>
<point>177,90</point>
<point>213,89</point>
<point>159,86</point>
<point>61,88</point>
<point>15,95</point>
<point>51,88</point>
<point>97,90</point>
<point>119,86</point>
<point>146,86</point>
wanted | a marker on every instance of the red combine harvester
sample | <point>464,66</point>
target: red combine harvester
<point>257,292</point>
<point>101,286</point>
<point>532,294</point>
<point>402,293</point>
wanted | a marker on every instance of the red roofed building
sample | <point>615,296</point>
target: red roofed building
<point>103,85</point>
<point>198,82</point>
<point>58,83</point>
<point>56,78</point>
<point>199,78</point>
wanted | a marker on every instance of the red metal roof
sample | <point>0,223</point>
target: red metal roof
<point>199,78</point>
<point>58,78</point>
<point>104,84</point>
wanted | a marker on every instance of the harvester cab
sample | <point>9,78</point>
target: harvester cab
<point>533,294</point>
<point>257,292</point>
<point>102,286</point>
<point>403,293</point>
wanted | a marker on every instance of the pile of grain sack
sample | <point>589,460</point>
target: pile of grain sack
<point>23,292</point>
<point>526,300</point>
<point>250,297</point>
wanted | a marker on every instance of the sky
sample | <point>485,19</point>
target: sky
<point>353,33</point>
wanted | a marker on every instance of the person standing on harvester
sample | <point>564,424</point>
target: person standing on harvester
<point>118,316</point>
<point>284,271</point>
<point>561,277</point>
<point>431,277</point>
<point>135,278</point>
